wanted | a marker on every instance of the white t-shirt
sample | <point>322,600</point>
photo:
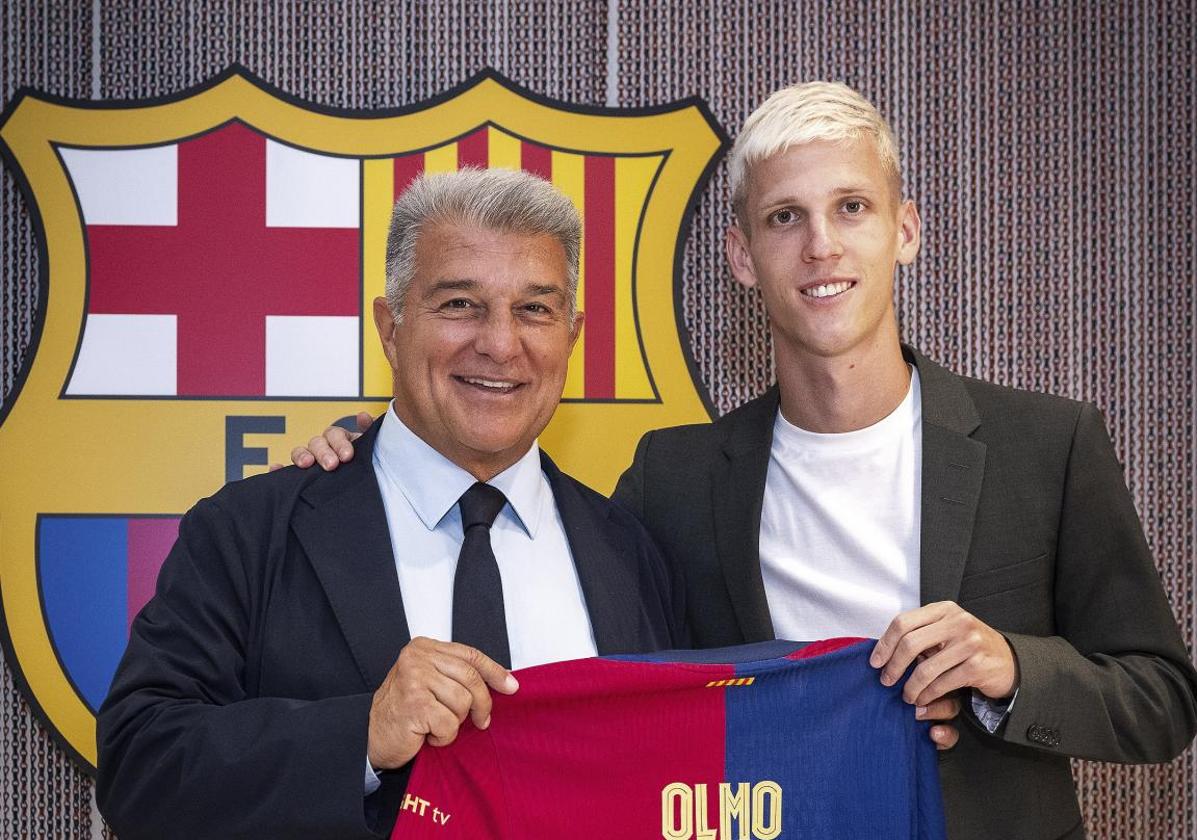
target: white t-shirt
<point>839,539</point>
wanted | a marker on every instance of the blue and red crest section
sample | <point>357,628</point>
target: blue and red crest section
<point>95,574</point>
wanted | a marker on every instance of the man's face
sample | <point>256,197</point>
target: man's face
<point>824,229</point>
<point>479,358</point>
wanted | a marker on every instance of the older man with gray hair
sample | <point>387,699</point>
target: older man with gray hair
<point>312,631</point>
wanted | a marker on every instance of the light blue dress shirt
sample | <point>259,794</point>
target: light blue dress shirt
<point>546,612</point>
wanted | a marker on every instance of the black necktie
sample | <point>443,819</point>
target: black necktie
<point>478,616</point>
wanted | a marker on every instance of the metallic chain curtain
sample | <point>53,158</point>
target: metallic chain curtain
<point>1050,147</point>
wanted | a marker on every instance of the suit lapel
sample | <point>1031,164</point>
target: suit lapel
<point>953,469</point>
<point>738,493</point>
<point>606,565</point>
<point>343,530</point>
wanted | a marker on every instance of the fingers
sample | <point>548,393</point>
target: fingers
<point>927,682</point>
<point>910,634</point>
<point>495,675</point>
<point>431,689</point>
<point>339,442</point>
<point>903,624</point>
<point>945,708</point>
<point>301,457</point>
<point>442,726</point>
<point>944,736</point>
<point>323,452</point>
<point>469,680</point>
<point>954,648</point>
<point>464,701</point>
<point>332,448</point>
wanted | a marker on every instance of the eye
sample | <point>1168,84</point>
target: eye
<point>784,216</point>
<point>457,303</point>
<point>854,207</point>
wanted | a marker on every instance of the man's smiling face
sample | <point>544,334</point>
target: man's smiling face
<point>823,231</point>
<point>480,354</point>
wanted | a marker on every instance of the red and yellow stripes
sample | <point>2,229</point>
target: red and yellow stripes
<point>732,682</point>
<point>609,191</point>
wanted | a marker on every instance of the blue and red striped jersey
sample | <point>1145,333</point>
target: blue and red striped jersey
<point>773,740</point>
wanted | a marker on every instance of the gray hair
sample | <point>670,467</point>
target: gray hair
<point>805,113</point>
<point>505,200</point>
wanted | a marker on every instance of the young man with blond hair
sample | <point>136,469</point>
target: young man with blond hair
<point>985,535</point>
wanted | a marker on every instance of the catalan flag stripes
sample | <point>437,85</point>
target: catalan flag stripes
<point>609,191</point>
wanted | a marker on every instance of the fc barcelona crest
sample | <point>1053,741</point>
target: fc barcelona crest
<point>207,268</point>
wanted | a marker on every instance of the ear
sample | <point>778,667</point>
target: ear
<point>739,257</point>
<point>384,320</point>
<point>575,329</point>
<point>909,232</point>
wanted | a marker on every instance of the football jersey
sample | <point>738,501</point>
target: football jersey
<point>772,740</point>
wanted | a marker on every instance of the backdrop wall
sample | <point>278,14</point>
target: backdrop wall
<point>1050,147</point>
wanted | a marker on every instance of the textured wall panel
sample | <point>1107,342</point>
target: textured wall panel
<point>46,45</point>
<point>1050,148</point>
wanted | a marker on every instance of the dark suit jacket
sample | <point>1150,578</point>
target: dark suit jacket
<point>240,708</point>
<point>1027,523</point>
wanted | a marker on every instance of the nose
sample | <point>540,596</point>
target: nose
<point>498,336</point>
<point>823,241</point>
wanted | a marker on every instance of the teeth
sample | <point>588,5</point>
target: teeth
<point>489,383</point>
<point>827,290</point>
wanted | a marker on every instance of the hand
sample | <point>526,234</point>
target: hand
<point>958,650</point>
<point>427,695</point>
<point>331,449</point>
<point>943,735</point>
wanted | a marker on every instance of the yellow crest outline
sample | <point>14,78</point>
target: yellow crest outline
<point>113,455</point>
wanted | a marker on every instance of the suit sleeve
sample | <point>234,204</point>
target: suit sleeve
<point>629,494</point>
<point>187,750</point>
<point>629,490</point>
<point>1116,683</point>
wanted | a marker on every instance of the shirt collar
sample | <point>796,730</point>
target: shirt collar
<point>432,483</point>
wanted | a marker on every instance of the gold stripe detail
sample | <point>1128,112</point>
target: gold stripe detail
<point>569,176</point>
<point>502,150</point>
<point>441,159</point>
<point>732,682</point>
<point>633,176</point>
<point>378,195</point>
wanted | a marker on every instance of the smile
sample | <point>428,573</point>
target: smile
<point>491,386</point>
<point>828,289</point>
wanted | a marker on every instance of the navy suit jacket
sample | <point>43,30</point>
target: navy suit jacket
<point>240,708</point>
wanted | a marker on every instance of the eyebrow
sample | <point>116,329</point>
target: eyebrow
<point>466,285</point>
<point>857,188</point>
<point>537,290</point>
<point>452,286</point>
<point>851,189</point>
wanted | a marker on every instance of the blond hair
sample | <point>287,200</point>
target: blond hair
<point>804,113</point>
